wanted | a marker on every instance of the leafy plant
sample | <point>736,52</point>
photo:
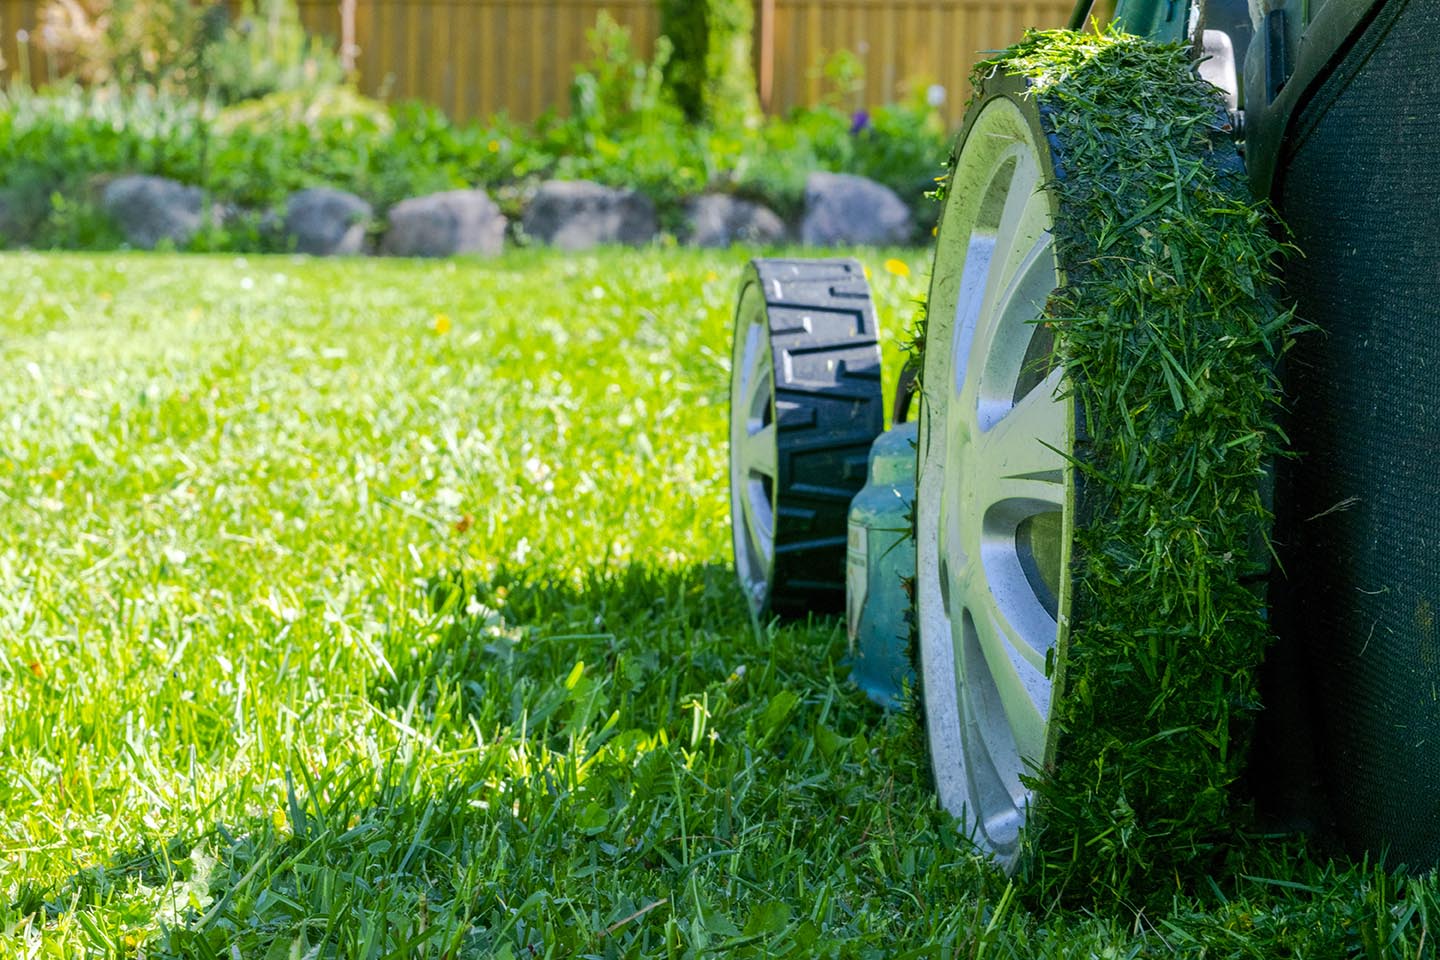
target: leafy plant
<point>62,142</point>
<point>710,74</point>
<point>903,146</point>
<point>266,50</point>
<point>77,222</point>
<point>157,43</point>
<point>624,127</point>
<point>187,47</point>
<point>616,87</point>
<point>843,73</point>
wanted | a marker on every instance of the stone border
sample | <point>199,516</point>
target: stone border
<point>839,210</point>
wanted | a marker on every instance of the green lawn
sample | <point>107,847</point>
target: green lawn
<point>371,608</point>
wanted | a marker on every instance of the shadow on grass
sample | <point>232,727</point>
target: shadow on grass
<point>497,637</point>
<point>619,763</point>
<point>624,766</point>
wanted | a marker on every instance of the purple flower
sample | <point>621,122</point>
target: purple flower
<point>859,121</point>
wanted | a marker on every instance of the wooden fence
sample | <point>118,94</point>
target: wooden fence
<point>477,57</point>
<point>900,42</point>
<point>17,19</point>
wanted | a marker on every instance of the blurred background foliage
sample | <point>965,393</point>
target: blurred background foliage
<point>710,74</point>
<point>186,48</point>
<point>241,102</point>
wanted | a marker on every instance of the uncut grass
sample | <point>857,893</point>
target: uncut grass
<point>383,609</point>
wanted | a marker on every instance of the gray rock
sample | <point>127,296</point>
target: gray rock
<point>149,210</point>
<point>444,224</point>
<point>579,214</point>
<point>325,222</point>
<point>718,220</point>
<point>841,208</point>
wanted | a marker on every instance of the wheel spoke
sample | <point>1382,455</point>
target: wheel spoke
<point>968,307</point>
<point>996,797</point>
<point>955,562</point>
<point>1018,192</point>
<point>759,377</point>
<point>1021,307</point>
<point>1007,329</point>
<point>1021,224</point>
<point>760,451</point>
<point>1023,690</point>
<point>1020,456</point>
<point>1029,285</point>
<point>747,511</point>
<point>758,523</point>
<point>996,793</point>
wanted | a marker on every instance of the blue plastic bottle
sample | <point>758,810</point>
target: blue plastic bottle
<point>879,564</point>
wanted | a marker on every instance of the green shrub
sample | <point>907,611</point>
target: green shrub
<point>616,89</point>
<point>904,146</point>
<point>266,51</point>
<point>900,145</point>
<point>303,107</point>
<point>155,43</point>
<point>710,74</point>
<point>58,145</point>
<point>625,128</point>
<point>187,47</point>
<point>77,223</point>
<point>774,166</point>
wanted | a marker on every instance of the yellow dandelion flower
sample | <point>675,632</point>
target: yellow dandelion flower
<point>898,267</point>
<point>442,324</point>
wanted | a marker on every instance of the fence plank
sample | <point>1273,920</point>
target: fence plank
<point>17,18</point>
<point>901,43</point>
<point>474,58</point>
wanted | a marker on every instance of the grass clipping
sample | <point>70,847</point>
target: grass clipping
<point>1169,332</point>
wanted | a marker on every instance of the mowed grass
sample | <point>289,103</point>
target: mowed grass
<point>384,609</point>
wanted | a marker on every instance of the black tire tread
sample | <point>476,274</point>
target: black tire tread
<point>826,352</point>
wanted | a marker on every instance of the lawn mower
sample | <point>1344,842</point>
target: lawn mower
<point>961,542</point>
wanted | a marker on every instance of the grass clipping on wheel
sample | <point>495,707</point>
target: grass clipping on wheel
<point>1169,332</point>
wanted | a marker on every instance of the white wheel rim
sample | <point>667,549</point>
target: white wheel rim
<point>994,499</point>
<point>754,450</point>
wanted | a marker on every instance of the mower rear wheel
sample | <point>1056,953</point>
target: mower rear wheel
<point>805,406</point>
